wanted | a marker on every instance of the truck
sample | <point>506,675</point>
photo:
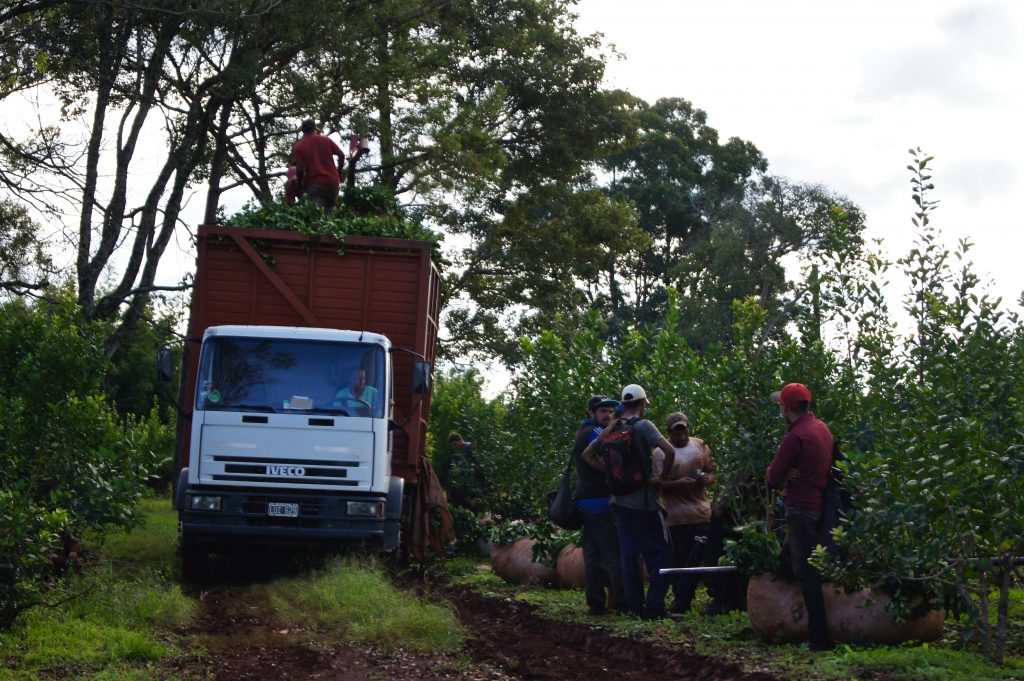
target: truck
<point>304,391</point>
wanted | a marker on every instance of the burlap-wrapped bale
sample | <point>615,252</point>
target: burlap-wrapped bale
<point>776,609</point>
<point>570,568</point>
<point>514,563</point>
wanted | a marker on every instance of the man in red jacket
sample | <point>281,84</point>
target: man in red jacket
<point>313,156</point>
<point>802,466</point>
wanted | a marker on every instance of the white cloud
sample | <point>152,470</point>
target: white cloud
<point>947,62</point>
<point>977,180</point>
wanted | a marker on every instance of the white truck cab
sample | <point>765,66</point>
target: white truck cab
<point>290,441</point>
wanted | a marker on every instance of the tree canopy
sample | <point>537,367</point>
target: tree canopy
<point>489,123</point>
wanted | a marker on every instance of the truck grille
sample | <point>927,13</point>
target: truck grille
<point>286,471</point>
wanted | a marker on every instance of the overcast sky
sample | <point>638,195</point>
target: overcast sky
<point>837,92</point>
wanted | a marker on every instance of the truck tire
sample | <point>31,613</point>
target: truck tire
<point>180,488</point>
<point>393,514</point>
<point>195,564</point>
<point>402,555</point>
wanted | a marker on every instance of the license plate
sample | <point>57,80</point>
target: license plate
<point>283,510</point>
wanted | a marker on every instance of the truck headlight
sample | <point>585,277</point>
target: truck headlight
<point>202,502</point>
<point>368,508</point>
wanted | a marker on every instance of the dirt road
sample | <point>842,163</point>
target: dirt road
<point>508,641</point>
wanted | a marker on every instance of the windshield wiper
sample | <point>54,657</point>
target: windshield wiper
<point>241,407</point>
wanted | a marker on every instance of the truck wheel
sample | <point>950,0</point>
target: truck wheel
<point>404,552</point>
<point>195,563</point>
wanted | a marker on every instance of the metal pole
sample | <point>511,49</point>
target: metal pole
<point>709,568</point>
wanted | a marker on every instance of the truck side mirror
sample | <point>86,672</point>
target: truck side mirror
<point>422,377</point>
<point>164,367</point>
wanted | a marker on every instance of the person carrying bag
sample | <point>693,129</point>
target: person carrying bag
<point>562,510</point>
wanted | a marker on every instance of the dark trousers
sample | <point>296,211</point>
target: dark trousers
<point>802,536</point>
<point>602,565</point>
<point>643,534</point>
<point>687,551</point>
<point>326,195</point>
<point>728,590</point>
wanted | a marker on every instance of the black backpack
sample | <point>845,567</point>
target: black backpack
<point>625,469</point>
<point>838,503</point>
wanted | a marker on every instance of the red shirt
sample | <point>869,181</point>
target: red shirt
<point>807,447</point>
<point>314,154</point>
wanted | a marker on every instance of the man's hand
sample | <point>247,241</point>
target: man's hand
<point>793,474</point>
<point>590,456</point>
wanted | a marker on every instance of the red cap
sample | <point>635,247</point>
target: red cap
<point>792,394</point>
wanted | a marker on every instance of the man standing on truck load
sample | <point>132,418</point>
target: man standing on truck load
<point>602,566</point>
<point>802,466</point>
<point>313,156</point>
<point>685,498</point>
<point>623,452</point>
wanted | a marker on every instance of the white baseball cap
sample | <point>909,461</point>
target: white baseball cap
<point>633,392</point>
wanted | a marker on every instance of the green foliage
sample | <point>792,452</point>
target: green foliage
<point>66,466</point>
<point>24,264</point>
<point>130,377</point>
<point>931,421</point>
<point>153,440</point>
<point>725,395</point>
<point>362,211</point>
<point>458,405</point>
<point>755,552</point>
<point>353,597</point>
<point>548,540</point>
<point>944,469</point>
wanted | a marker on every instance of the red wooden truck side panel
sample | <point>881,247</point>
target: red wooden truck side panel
<point>257,277</point>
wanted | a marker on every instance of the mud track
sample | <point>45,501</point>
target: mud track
<point>509,634</point>
<point>507,641</point>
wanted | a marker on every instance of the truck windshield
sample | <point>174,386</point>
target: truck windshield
<point>280,375</point>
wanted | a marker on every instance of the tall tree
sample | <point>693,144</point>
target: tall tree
<point>129,71</point>
<point>473,106</point>
<point>719,225</point>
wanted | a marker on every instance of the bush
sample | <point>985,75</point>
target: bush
<point>66,466</point>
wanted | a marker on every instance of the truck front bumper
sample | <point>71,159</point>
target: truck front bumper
<point>243,518</point>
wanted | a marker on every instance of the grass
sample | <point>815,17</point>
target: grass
<point>154,544</point>
<point>113,618</point>
<point>123,613</point>
<point>730,638</point>
<point>353,596</point>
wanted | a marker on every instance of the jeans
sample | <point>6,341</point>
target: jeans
<point>643,534</point>
<point>602,565</point>
<point>802,536</point>
<point>686,552</point>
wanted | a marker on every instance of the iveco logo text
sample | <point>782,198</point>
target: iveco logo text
<point>290,471</point>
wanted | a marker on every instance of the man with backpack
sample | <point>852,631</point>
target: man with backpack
<point>600,542</point>
<point>623,453</point>
<point>802,467</point>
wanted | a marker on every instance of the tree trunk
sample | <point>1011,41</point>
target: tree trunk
<point>109,63</point>
<point>388,173</point>
<point>217,164</point>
